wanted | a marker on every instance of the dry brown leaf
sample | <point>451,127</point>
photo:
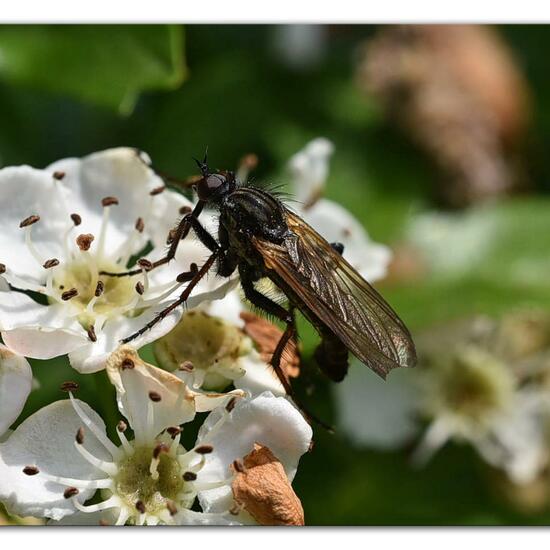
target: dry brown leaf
<point>264,491</point>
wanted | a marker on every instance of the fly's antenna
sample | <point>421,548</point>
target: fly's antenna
<point>203,166</point>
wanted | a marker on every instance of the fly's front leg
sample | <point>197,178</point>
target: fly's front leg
<point>186,223</point>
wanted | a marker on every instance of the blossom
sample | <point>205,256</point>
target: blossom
<point>15,386</point>
<point>309,169</point>
<point>61,228</point>
<point>60,456</point>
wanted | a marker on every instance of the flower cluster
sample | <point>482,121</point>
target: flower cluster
<point>66,227</point>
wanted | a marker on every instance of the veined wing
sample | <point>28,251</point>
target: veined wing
<point>335,292</point>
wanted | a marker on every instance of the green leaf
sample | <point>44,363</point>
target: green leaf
<point>107,65</point>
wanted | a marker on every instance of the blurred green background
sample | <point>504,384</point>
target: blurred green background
<point>171,91</point>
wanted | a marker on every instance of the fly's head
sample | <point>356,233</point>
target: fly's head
<point>214,186</point>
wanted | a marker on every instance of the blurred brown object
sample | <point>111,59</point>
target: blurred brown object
<point>457,91</point>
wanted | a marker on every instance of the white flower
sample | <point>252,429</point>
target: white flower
<point>60,228</point>
<point>309,169</point>
<point>211,353</point>
<point>15,386</point>
<point>60,456</point>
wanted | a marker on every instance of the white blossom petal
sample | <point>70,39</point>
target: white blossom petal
<point>258,377</point>
<point>25,191</point>
<point>46,440</point>
<point>15,386</point>
<point>189,517</point>
<point>37,331</point>
<point>336,224</point>
<point>114,172</point>
<point>266,419</point>
<point>377,413</point>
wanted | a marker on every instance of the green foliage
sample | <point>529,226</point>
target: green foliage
<point>104,65</point>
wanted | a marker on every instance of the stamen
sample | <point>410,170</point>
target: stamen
<point>122,516</point>
<point>160,448</point>
<point>70,492</point>
<point>204,449</point>
<point>171,507</point>
<point>107,443</point>
<point>2,268</point>
<point>58,175</point>
<point>127,363</point>
<point>29,221</point>
<point>140,225</point>
<point>68,294</point>
<point>100,287</point>
<point>174,431</point>
<point>231,404</point>
<point>140,289</point>
<point>110,468</point>
<point>104,483</point>
<point>186,366</point>
<point>84,241</point>
<point>79,438</point>
<point>152,520</point>
<point>29,243</point>
<point>77,219</point>
<point>145,264</point>
<point>155,461</point>
<point>140,507</point>
<point>157,190</point>
<point>121,428</point>
<point>109,201</point>
<point>69,386</point>
<point>189,476</point>
<point>154,396</point>
<point>112,502</point>
<point>91,333</point>
<point>31,470</point>
<point>48,264</point>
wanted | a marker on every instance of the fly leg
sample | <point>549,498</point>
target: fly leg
<point>181,300</point>
<point>189,221</point>
<point>273,308</point>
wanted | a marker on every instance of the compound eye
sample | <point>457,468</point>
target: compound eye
<point>208,185</point>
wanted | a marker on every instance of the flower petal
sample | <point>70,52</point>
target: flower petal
<point>150,398</point>
<point>26,191</point>
<point>265,419</point>
<point>258,377</point>
<point>37,331</point>
<point>46,440</point>
<point>309,168</point>
<point>15,386</point>
<point>336,224</point>
<point>114,172</point>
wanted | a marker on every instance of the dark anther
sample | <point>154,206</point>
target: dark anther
<point>140,289</point>
<point>157,190</point>
<point>100,287</point>
<point>231,404</point>
<point>185,277</point>
<point>238,466</point>
<point>140,507</point>
<point>160,448</point>
<point>204,449</point>
<point>31,470</point>
<point>173,431</point>
<point>70,492</point>
<point>154,396</point>
<point>68,294</point>
<point>91,333</point>
<point>171,507</point>
<point>145,264</point>
<point>127,363</point>
<point>50,263</point>
<point>69,385</point>
<point>58,175</point>
<point>185,210</point>
<point>29,221</point>
<point>189,476</point>
<point>109,201</point>
<point>84,241</point>
<point>79,438</point>
<point>140,225</point>
<point>122,426</point>
<point>186,366</point>
<point>2,268</point>
<point>77,220</point>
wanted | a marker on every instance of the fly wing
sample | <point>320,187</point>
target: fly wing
<point>335,292</point>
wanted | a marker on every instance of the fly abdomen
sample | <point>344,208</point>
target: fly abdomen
<point>332,357</point>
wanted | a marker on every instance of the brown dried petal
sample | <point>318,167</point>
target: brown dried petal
<point>266,336</point>
<point>264,491</point>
